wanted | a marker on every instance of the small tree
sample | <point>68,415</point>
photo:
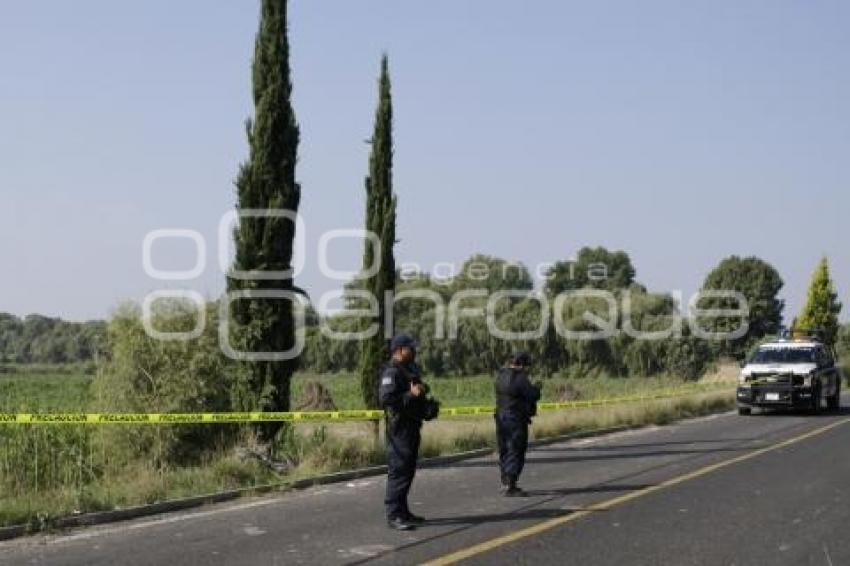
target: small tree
<point>380,220</point>
<point>822,305</point>
<point>760,283</point>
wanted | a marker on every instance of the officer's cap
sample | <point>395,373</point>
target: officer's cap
<point>522,359</point>
<point>402,341</point>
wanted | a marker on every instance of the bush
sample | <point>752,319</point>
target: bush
<point>147,375</point>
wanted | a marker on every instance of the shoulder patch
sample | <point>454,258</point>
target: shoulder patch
<point>387,380</point>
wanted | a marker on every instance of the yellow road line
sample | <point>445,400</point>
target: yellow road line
<point>533,530</point>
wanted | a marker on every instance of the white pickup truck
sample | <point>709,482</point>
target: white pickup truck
<point>798,373</point>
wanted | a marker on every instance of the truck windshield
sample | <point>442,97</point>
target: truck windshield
<point>784,356</point>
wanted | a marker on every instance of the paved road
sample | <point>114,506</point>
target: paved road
<point>720,490</point>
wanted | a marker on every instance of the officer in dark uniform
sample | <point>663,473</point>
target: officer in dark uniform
<point>516,403</point>
<point>402,395</point>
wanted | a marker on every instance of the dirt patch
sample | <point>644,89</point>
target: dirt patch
<point>567,392</point>
<point>316,397</point>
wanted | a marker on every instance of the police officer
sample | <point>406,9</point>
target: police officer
<point>402,395</point>
<point>516,403</point>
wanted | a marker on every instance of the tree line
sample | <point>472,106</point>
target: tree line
<point>476,350</point>
<point>45,340</point>
<point>41,339</point>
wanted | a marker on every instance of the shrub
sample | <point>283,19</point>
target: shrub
<point>148,375</point>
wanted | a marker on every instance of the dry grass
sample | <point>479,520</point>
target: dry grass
<point>658,412</point>
<point>452,435</point>
<point>726,372</point>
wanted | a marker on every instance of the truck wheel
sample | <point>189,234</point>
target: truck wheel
<point>833,402</point>
<point>744,411</point>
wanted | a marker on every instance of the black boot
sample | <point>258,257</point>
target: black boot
<point>505,482</point>
<point>400,524</point>
<point>512,489</point>
<point>412,518</point>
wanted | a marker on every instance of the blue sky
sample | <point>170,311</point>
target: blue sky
<point>681,132</point>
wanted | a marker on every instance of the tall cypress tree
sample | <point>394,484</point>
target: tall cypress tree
<point>266,182</point>
<point>822,305</point>
<point>380,220</point>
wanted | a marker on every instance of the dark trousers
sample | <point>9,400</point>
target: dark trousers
<point>512,434</point>
<point>402,451</point>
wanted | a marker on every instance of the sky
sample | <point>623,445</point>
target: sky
<point>680,132</point>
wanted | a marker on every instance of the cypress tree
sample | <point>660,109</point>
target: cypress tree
<point>380,220</point>
<point>822,305</point>
<point>266,181</point>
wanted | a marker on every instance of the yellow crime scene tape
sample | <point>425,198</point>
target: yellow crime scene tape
<point>313,416</point>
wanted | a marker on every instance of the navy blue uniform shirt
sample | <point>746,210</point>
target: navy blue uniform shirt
<point>395,395</point>
<point>515,395</point>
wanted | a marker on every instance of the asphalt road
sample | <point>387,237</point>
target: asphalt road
<point>768,489</point>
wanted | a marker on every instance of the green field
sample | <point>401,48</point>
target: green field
<point>478,390</point>
<point>60,388</point>
<point>44,392</point>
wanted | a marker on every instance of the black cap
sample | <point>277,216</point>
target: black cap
<point>402,341</point>
<point>522,359</point>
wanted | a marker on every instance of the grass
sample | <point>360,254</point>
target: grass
<point>87,368</point>
<point>135,485</point>
<point>48,471</point>
<point>44,392</point>
<point>478,390</point>
<point>58,389</point>
<point>445,437</point>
